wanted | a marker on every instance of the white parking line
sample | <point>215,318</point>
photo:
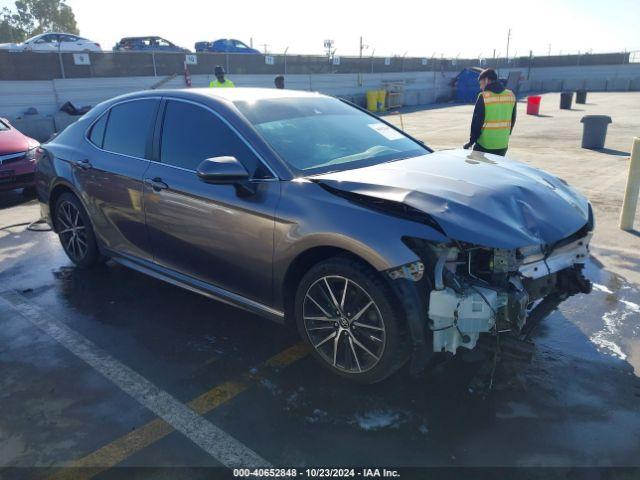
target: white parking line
<point>213,440</point>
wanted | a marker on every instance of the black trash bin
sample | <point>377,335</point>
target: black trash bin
<point>594,131</point>
<point>581,96</point>
<point>565,100</point>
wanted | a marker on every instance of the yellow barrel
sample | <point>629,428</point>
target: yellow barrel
<point>372,100</point>
<point>381,97</point>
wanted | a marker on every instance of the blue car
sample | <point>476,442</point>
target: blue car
<point>225,45</point>
<point>147,44</point>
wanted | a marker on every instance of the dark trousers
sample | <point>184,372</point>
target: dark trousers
<point>499,151</point>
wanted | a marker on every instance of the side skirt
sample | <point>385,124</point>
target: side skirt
<point>197,286</point>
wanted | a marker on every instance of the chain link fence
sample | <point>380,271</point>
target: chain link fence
<point>49,66</point>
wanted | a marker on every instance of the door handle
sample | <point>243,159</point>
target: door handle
<point>84,164</point>
<point>156,183</point>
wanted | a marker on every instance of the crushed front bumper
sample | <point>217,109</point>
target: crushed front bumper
<point>459,314</point>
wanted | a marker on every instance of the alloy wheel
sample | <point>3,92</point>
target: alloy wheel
<point>72,231</point>
<point>344,324</point>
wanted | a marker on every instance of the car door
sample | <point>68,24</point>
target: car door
<point>219,234</point>
<point>46,43</point>
<point>110,175</point>
<point>71,43</point>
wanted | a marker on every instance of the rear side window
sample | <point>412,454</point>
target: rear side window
<point>191,134</point>
<point>129,127</point>
<point>96,136</point>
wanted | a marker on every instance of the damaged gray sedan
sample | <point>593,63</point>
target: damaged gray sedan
<point>307,210</point>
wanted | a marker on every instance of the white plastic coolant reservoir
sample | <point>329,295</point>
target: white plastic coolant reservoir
<point>474,315</point>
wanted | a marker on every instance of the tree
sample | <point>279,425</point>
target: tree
<point>32,17</point>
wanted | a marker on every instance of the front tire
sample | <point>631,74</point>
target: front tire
<point>349,316</point>
<point>76,232</point>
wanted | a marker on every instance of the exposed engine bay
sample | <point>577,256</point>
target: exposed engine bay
<point>474,290</point>
<point>480,290</point>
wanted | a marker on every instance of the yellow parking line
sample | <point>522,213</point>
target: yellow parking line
<point>123,447</point>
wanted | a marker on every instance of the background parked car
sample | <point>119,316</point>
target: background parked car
<point>147,44</point>
<point>53,42</point>
<point>17,158</point>
<point>225,45</point>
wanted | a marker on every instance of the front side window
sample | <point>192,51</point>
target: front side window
<point>191,134</point>
<point>129,127</point>
<point>3,126</point>
<point>318,135</point>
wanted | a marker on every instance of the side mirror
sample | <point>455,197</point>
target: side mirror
<point>222,170</point>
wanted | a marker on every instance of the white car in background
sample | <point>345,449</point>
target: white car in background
<point>53,42</point>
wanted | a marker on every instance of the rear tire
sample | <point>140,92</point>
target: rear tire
<point>75,231</point>
<point>349,316</point>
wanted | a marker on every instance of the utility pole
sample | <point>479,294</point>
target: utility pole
<point>549,54</point>
<point>265,45</point>
<point>508,40</point>
<point>362,48</point>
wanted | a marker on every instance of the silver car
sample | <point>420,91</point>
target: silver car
<point>305,209</point>
<point>53,42</point>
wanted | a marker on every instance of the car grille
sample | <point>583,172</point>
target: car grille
<point>17,179</point>
<point>12,157</point>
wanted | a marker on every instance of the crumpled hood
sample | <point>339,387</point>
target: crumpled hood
<point>476,197</point>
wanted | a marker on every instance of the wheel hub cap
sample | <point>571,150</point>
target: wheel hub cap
<point>352,342</point>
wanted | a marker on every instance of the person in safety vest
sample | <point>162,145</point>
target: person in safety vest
<point>220,81</point>
<point>493,116</point>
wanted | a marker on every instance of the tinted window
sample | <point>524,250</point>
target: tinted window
<point>97,131</point>
<point>129,127</point>
<point>190,134</point>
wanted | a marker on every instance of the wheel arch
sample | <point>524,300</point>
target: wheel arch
<point>55,193</point>
<point>301,264</point>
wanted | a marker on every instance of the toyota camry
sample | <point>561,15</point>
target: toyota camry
<point>307,210</point>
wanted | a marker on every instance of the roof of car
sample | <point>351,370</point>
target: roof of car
<point>242,94</point>
<point>252,94</point>
<point>141,37</point>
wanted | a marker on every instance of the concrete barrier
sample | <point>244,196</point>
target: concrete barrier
<point>596,84</point>
<point>411,98</point>
<point>426,97</point>
<point>573,84</point>
<point>551,85</point>
<point>38,127</point>
<point>62,120</point>
<point>618,85</point>
<point>634,84</point>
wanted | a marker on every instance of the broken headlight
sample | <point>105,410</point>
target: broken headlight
<point>411,271</point>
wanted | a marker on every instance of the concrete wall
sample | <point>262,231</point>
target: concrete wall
<point>595,78</point>
<point>48,95</point>
<point>421,88</point>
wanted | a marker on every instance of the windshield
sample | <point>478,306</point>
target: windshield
<point>319,135</point>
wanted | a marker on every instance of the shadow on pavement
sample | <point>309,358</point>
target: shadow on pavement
<point>13,198</point>
<point>556,406</point>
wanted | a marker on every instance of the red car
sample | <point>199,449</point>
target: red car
<point>17,158</point>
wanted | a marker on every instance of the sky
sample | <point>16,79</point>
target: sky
<point>469,29</point>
